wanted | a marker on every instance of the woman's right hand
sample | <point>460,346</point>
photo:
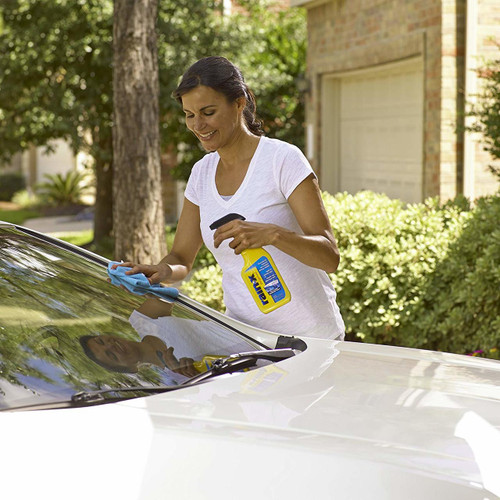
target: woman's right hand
<point>155,273</point>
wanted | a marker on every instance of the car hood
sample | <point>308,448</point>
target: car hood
<point>364,421</point>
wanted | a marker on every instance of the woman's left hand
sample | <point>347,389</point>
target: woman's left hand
<point>183,366</point>
<point>244,234</point>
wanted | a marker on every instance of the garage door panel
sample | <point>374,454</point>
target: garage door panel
<point>380,127</point>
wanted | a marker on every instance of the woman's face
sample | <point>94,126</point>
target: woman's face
<point>215,121</point>
<point>114,351</point>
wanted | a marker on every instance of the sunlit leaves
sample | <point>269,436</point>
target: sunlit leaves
<point>422,275</point>
<point>43,83</point>
<point>487,110</point>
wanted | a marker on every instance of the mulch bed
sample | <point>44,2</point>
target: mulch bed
<point>8,205</point>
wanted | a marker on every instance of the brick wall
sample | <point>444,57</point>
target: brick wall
<point>347,35</point>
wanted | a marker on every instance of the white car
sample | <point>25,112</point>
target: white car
<point>290,419</point>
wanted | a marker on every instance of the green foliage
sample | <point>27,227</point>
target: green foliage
<point>487,110</point>
<point>204,258</point>
<point>10,183</point>
<point>493,353</point>
<point>387,250</point>
<point>459,305</point>
<point>79,238</point>
<point>26,199</point>
<point>64,189</point>
<point>273,57</point>
<point>56,81</point>
<point>187,31</point>
<point>206,286</point>
<point>85,239</point>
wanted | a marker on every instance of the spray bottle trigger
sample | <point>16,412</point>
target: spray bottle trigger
<point>224,220</point>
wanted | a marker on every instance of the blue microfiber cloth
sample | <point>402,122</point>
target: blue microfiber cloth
<point>139,284</point>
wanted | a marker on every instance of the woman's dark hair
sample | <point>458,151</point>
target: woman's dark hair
<point>84,342</point>
<point>223,76</point>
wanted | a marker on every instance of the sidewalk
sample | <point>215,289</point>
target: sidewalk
<point>59,224</point>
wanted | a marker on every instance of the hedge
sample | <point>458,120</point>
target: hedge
<point>459,306</point>
<point>423,275</point>
<point>10,183</point>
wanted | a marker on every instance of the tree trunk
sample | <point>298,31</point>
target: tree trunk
<point>103,207</point>
<point>138,219</point>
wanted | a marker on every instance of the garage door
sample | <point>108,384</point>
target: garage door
<point>379,131</point>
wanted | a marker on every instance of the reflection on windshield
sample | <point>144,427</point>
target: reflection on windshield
<point>177,344</point>
<point>60,319</point>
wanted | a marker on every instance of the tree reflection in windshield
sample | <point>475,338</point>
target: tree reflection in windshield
<point>50,298</point>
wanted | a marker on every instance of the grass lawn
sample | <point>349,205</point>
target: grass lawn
<point>79,239</point>
<point>18,216</point>
<point>106,248</point>
<point>84,239</point>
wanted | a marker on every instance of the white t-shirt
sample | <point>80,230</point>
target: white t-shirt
<point>275,170</point>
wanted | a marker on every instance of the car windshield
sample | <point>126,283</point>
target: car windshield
<point>64,329</point>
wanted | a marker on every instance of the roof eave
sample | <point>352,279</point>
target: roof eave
<point>307,3</point>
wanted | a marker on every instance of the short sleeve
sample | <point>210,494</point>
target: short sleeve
<point>142,324</point>
<point>291,168</point>
<point>191,191</point>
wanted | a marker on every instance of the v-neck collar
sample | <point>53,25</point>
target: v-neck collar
<point>244,182</point>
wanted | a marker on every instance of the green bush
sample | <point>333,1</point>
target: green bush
<point>459,306</point>
<point>26,199</point>
<point>205,286</point>
<point>387,250</point>
<point>10,183</point>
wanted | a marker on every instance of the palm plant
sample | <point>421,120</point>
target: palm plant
<point>64,189</point>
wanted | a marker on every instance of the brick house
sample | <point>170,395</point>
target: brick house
<point>385,105</point>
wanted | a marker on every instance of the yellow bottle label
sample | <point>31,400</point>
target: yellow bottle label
<point>206,363</point>
<point>263,280</point>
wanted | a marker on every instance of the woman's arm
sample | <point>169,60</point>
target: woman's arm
<point>155,308</point>
<point>177,264</point>
<point>316,247</point>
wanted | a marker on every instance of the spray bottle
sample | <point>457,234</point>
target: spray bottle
<point>260,274</point>
<point>206,362</point>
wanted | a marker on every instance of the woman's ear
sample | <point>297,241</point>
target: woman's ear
<point>241,103</point>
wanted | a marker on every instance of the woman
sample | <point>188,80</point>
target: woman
<point>124,356</point>
<point>271,184</point>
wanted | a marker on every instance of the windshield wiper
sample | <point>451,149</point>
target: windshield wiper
<point>231,364</point>
<point>241,361</point>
